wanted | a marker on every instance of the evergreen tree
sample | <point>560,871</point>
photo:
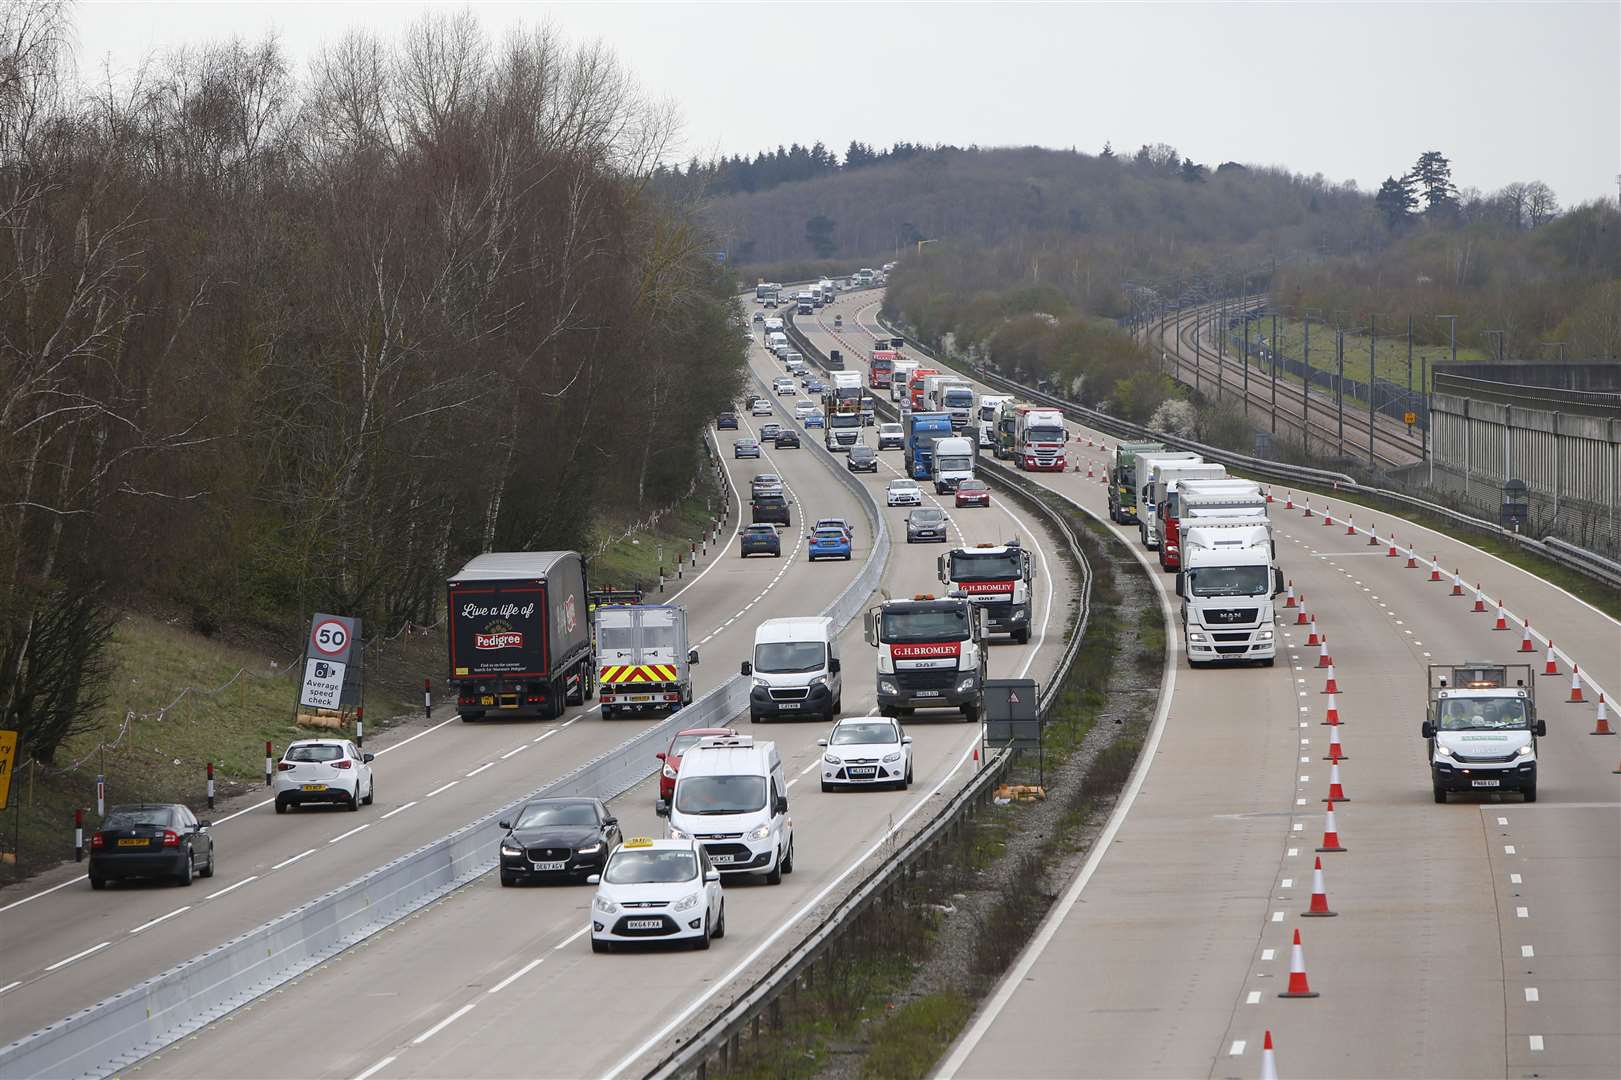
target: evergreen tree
<point>819,234</point>
<point>1192,172</point>
<point>1108,151</point>
<point>1396,200</point>
<point>1433,175</point>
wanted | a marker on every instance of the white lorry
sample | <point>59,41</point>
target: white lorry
<point>824,288</point>
<point>951,463</point>
<point>1227,583</point>
<point>1143,484</point>
<point>642,658</point>
<point>1039,438</point>
<point>901,378</point>
<point>949,393</point>
<point>1481,733</point>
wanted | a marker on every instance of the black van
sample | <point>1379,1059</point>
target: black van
<point>769,509</point>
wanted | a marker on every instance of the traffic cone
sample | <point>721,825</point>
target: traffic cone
<point>1412,560</point>
<point>1269,1064</point>
<point>1603,726</point>
<point>1298,987</point>
<point>1323,659</point>
<point>1336,792</point>
<point>1332,686</point>
<point>1307,512</point>
<point>1313,639</point>
<point>1289,500</point>
<point>1331,833</point>
<point>1525,638</point>
<point>1392,553</point>
<point>1435,568</point>
<point>1289,597</point>
<point>1480,600</point>
<point>1328,518</point>
<point>1350,525</point>
<point>1300,616</point>
<point>1336,752</point>
<point>1269,496</point>
<point>1575,685</point>
<point>1318,908</point>
<point>1549,667</point>
<point>1457,582</point>
<point>1502,618</point>
<point>1373,535</point>
<point>1333,717</point>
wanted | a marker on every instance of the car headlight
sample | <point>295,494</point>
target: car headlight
<point>896,756</point>
<point>590,849</point>
<point>1266,635</point>
<point>759,832</point>
<point>831,759</point>
<point>602,903</point>
<point>820,680</point>
<point>761,684</point>
<point>669,773</point>
<point>508,849</point>
<point>677,834</point>
<point>1442,750</point>
<point>1524,751</point>
<point>687,902</point>
<point>1194,635</point>
<point>967,683</point>
<point>886,686</point>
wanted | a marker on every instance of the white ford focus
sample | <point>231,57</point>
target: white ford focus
<point>657,890</point>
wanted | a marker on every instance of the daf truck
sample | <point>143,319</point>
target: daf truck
<point>996,579</point>
<point>1227,583</point>
<point>1481,730</point>
<point>643,661</point>
<point>1122,476</point>
<point>931,654</point>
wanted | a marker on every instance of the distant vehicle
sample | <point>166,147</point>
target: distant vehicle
<point>838,322</point>
<point>555,839</point>
<point>745,448</point>
<point>1481,733</point>
<point>815,420</point>
<point>903,493</point>
<point>656,890</point>
<point>803,408</point>
<point>862,459</point>
<point>951,462</point>
<point>835,523</point>
<point>768,432</point>
<point>891,437</point>
<point>323,771</point>
<point>680,744</point>
<point>765,484</point>
<point>866,750</point>
<point>787,439</point>
<point>766,291</point>
<point>770,508</point>
<point>829,542</point>
<point>759,316</point>
<point>726,420</point>
<point>761,407</point>
<point>973,493</point>
<point>759,540</point>
<point>806,304</point>
<point>926,523</point>
<point>150,840</point>
<point>783,385</point>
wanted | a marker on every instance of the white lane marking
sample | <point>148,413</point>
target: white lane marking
<point>1269,954</point>
<point>1514,879</point>
<point>516,975</point>
<point>571,939</point>
<point>544,737</point>
<point>1536,1042</point>
<point>351,832</point>
<point>437,790</point>
<point>811,766</point>
<point>229,888</point>
<point>1297,827</point>
<point>42,892</point>
<point>10,986</point>
<point>153,922</point>
<point>221,821</point>
<point>77,956</point>
<point>1527,951</point>
<point>1287,883</point>
<point>1502,821</point>
<point>414,738</point>
<point>375,1069</point>
<point>516,749</point>
<point>480,769</point>
<point>794,781</point>
<point>1254,998</point>
<point>1522,913</point>
<point>1237,1049</point>
<point>571,720</point>
<point>1531,994</point>
<point>443,1024</point>
<point>1508,849</point>
<point>295,858</point>
<point>1277,916</point>
<point>398,809</point>
<point>1294,851</point>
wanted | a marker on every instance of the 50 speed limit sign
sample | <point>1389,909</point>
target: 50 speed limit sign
<point>331,637</point>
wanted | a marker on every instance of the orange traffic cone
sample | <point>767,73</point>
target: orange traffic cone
<point>1313,639</point>
<point>1269,496</point>
<point>1480,600</point>
<point>1323,659</point>
<point>1300,616</point>
<point>1549,667</point>
<point>1435,568</point>
<point>1457,582</point>
<point>1289,501</point>
<point>1331,687</point>
<point>1373,535</point>
<point>1289,598</point>
<point>1269,1064</point>
<point>1307,510</point>
<point>1392,553</point>
<point>1336,752</point>
<point>1331,832</point>
<point>1412,560</point>
<point>1502,618</point>
<point>1332,719</point>
<point>1336,791</point>
<point>1575,685</point>
<point>1318,908</point>
<point>1525,637</point>
<point>1603,726</point>
<point>1350,525</point>
<point>1298,987</point>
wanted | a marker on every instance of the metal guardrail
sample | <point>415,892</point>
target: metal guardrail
<point>1589,563</point>
<point>132,1024</point>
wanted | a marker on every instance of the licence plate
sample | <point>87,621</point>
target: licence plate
<point>314,787</point>
<point>862,774</point>
<point>641,697</point>
<point>1485,783</point>
<point>644,924</point>
<point>927,693</point>
<point>487,699</point>
<point>721,860</point>
<point>550,865</point>
<point>788,704</point>
<point>133,843</point>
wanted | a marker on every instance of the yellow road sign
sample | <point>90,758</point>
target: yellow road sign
<point>1409,418</point>
<point>8,763</point>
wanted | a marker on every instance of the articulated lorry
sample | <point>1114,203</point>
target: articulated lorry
<point>520,635</point>
<point>1143,484</point>
<point>931,654</point>
<point>919,432</point>
<point>996,579</point>
<point>1122,480</point>
<point>1168,481</point>
<point>841,415</point>
<point>1481,732</point>
<point>1039,438</point>
<point>949,393</point>
<point>1228,582</point>
<point>643,662</point>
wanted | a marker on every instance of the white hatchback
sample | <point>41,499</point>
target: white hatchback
<point>324,771</point>
<point>903,493</point>
<point>866,750</point>
<point>657,890</point>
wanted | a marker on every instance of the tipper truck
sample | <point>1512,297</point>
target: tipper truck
<point>996,579</point>
<point>1480,731</point>
<point>520,634</point>
<point>1122,480</point>
<point>643,662</point>
<point>1168,480</point>
<point>931,654</point>
<point>1227,583</point>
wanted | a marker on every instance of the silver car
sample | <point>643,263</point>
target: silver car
<point>926,523</point>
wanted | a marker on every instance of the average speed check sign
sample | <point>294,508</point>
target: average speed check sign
<point>331,638</point>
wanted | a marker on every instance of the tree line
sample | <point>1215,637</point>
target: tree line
<point>272,344</point>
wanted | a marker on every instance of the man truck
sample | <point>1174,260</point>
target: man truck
<point>1227,583</point>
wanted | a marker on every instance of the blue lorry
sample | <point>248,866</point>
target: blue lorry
<point>920,430</point>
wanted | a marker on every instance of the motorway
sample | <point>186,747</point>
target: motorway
<point>501,982</point>
<point>1480,938</point>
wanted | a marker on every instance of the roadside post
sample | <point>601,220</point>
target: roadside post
<point>1011,719</point>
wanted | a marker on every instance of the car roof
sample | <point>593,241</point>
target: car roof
<point>563,800</point>
<point>317,742</point>
<point>651,844</point>
<point>800,628</point>
<point>903,481</point>
<point>761,527</point>
<point>831,530</point>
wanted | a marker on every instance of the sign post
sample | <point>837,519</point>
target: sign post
<point>8,764</point>
<point>1011,719</point>
<point>332,665</point>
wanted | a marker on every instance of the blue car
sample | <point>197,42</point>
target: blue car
<point>759,540</point>
<point>742,448</point>
<point>814,419</point>
<point>829,543</point>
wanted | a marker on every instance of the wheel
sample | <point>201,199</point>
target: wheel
<point>788,863</point>
<point>208,871</point>
<point>97,883</point>
<point>1440,792</point>
<point>846,556</point>
<point>186,869</point>
<point>601,946</point>
<point>281,806</point>
<point>774,875</point>
<point>1530,791</point>
<point>720,924</point>
<point>508,878</point>
<point>907,782</point>
<point>702,941</point>
<point>576,696</point>
<point>371,791</point>
<point>970,713</point>
<point>1022,637</point>
<point>590,683</point>
<point>354,800</point>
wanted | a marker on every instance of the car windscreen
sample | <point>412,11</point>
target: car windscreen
<point>861,453</point>
<point>789,657</point>
<point>928,515</point>
<point>925,624</point>
<point>682,743</point>
<point>862,733</point>
<point>541,815</point>
<point>720,794</point>
<point>760,532</point>
<point>314,752</point>
<point>1230,581</point>
<point>948,462</point>
<point>1002,566</point>
<point>1483,714</point>
<point>651,867</point>
<point>137,816</point>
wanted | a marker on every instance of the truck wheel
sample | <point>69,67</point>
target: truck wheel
<point>1022,637</point>
<point>970,713</point>
<point>590,683</point>
<point>1530,791</point>
<point>1440,792</point>
<point>576,696</point>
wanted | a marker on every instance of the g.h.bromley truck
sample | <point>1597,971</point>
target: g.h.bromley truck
<point>520,635</point>
<point>996,579</point>
<point>931,654</point>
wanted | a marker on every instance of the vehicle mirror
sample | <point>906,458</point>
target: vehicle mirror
<point>1181,584</point>
<point>940,567</point>
<point>1427,730</point>
<point>209,824</point>
<point>906,740</point>
<point>711,875</point>
<point>503,824</point>
<point>1277,580</point>
<point>1541,728</point>
<point>594,879</point>
<point>869,626</point>
<point>608,823</point>
<point>833,665</point>
<point>746,668</point>
<point>821,742</point>
<point>659,755</point>
<point>782,804</point>
<point>661,808</point>
<point>368,758</point>
<point>692,656</point>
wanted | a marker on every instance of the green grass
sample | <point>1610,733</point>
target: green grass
<point>911,1038</point>
<point>1390,353</point>
<point>634,560</point>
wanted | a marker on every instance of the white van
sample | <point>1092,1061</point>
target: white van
<point>773,326</point>
<point>795,364</point>
<point>795,670</point>
<point>776,342</point>
<point>731,796</point>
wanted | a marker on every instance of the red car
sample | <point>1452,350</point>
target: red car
<point>973,493</point>
<point>683,741</point>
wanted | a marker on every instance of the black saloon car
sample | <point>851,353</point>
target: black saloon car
<point>787,439</point>
<point>769,508</point>
<point>553,839</point>
<point>150,840</point>
<point>759,540</point>
<point>862,459</point>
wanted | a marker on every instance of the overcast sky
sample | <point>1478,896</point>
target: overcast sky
<point>1508,91</point>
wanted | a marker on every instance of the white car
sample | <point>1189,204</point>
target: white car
<point>866,750</point>
<point>903,493</point>
<point>890,437</point>
<point>783,385</point>
<point>761,407</point>
<point>324,771</point>
<point>804,408</point>
<point>657,890</point>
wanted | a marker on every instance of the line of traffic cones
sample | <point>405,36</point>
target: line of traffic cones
<point>1318,908</point>
<point>1332,717</point>
<point>1332,686</point>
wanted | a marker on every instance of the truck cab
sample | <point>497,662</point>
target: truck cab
<point>951,463</point>
<point>931,654</point>
<point>1122,476</point>
<point>996,579</point>
<point>1039,439</point>
<point>1480,732</point>
<point>643,662</point>
<point>1227,583</point>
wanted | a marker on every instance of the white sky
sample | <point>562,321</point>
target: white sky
<point>1508,91</point>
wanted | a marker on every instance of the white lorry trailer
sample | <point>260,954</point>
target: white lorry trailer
<point>1143,484</point>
